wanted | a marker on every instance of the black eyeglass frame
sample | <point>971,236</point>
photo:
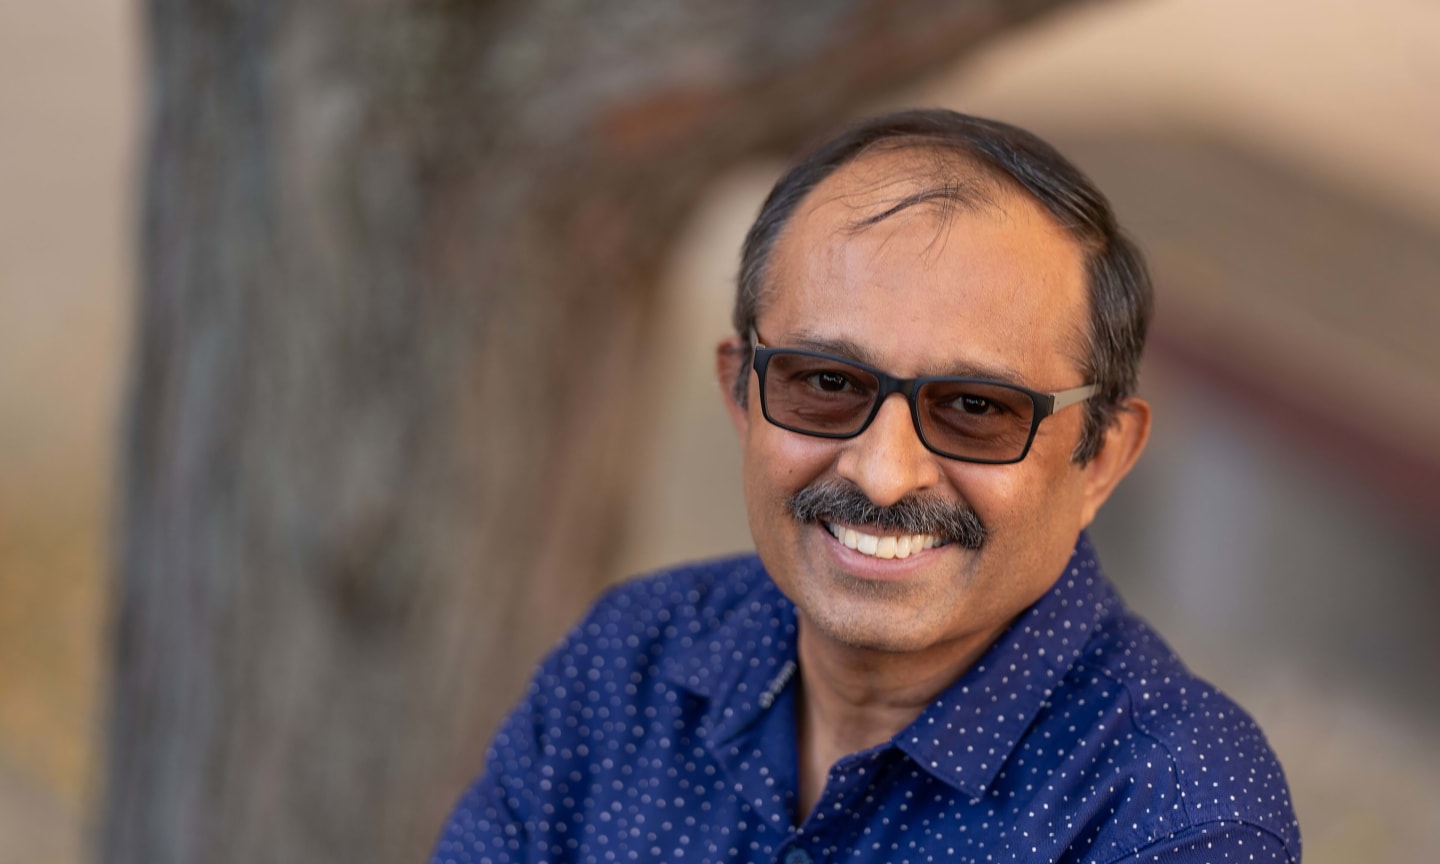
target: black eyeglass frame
<point>1045,404</point>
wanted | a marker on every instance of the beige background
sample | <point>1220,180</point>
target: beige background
<point>1226,124</point>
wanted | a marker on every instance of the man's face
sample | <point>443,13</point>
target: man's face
<point>995,292</point>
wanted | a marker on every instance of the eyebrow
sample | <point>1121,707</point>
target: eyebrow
<point>849,350</point>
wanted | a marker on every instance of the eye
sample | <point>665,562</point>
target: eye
<point>975,405</point>
<point>830,382</point>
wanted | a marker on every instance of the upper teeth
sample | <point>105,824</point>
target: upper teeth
<point>883,547</point>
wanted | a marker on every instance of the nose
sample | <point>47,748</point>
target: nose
<point>888,461</point>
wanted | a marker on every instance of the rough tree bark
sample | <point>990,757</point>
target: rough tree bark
<point>397,263</point>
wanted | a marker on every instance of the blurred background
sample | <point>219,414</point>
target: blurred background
<point>1277,162</point>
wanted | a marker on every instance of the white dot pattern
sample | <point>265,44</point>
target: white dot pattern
<point>662,729</point>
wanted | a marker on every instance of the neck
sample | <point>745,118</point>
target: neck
<point>852,699</point>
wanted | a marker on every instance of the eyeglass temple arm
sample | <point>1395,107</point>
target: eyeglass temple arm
<point>1066,398</point>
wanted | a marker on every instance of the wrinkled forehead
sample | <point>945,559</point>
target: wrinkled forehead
<point>901,176</point>
<point>920,233</point>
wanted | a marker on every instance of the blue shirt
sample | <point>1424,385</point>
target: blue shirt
<point>663,729</point>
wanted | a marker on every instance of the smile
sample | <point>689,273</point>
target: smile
<point>883,546</point>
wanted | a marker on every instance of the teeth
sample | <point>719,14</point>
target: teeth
<point>883,546</point>
<point>886,547</point>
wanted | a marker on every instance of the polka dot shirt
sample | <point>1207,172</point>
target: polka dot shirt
<point>663,729</point>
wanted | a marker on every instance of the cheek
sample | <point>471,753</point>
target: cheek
<point>779,463</point>
<point>1020,503</point>
<point>995,492</point>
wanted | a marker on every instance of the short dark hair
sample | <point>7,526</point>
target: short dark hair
<point>1121,299</point>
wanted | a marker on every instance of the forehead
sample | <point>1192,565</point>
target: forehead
<point>925,261</point>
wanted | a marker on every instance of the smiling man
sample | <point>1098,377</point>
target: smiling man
<point>938,328</point>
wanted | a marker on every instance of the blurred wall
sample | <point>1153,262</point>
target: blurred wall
<point>68,113</point>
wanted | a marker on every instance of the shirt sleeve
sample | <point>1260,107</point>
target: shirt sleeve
<point>1228,842</point>
<point>481,828</point>
<point>487,825</point>
<point>502,818</point>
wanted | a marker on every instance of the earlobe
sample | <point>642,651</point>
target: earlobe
<point>1124,442</point>
<point>729,367</point>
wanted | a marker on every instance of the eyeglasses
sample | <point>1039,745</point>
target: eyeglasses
<point>969,419</point>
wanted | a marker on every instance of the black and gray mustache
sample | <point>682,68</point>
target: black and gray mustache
<point>829,501</point>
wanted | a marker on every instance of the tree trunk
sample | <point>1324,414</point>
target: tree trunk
<point>398,263</point>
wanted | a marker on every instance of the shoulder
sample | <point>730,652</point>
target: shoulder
<point>1200,757</point>
<point>702,590</point>
<point>600,714</point>
<point>670,607</point>
<point>653,624</point>
<point>621,660</point>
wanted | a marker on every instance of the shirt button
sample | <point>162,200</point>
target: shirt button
<point>797,856</point>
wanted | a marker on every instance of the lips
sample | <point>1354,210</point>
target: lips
<point>883,545</point>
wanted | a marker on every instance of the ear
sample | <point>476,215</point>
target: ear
<point>729,366</point>
<point>1124,442</point>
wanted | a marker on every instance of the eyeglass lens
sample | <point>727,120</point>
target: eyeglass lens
<point>965,419</point>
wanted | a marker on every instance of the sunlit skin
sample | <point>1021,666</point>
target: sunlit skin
<point>995,292</point>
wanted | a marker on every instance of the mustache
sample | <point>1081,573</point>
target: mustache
<point>831,501</point>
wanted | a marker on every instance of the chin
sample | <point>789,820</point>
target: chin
<point>887,639</point>
<point>869,618</point>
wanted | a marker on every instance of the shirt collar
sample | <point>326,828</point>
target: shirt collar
<point>743,664</point>
<point>968,733</point>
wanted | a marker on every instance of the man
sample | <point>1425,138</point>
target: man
<point>938,327</point>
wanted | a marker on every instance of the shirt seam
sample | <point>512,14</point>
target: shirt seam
<point>1152,843</point>
<point>1099,594</point>
<point>1140,727</point>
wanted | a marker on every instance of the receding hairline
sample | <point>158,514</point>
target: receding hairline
<point>939,177</point>
<point>1117,283</point>
<point>932,173</point>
